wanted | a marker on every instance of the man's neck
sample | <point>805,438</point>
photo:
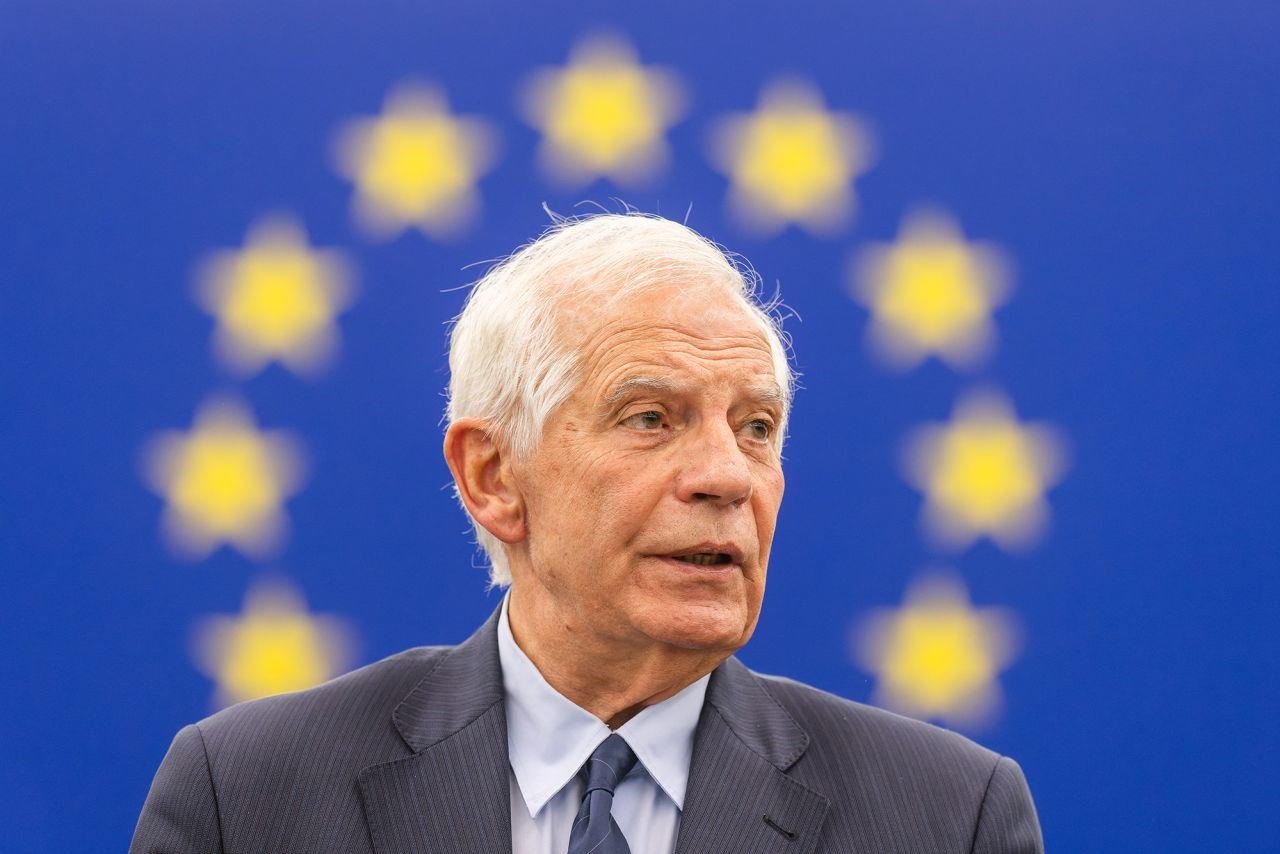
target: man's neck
<point>612,679</point>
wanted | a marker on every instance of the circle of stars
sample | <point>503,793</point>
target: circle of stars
<point>603,115</point>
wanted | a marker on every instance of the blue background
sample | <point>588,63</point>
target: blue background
<point>1124,154</point>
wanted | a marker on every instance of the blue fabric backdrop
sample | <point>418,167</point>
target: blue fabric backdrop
<point>1117,159</point>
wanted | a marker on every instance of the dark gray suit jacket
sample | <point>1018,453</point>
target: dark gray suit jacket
<point>410,755</point>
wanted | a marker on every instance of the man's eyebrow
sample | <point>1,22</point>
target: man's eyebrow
<point>624,389</point>
<point>767,393</point>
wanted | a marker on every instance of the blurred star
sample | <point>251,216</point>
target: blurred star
<point>416,164</point>
<point>603,114</point>
<point>985,474</point>
<point>792,160</point>
<point>273,646</point>
<point>937,657</point>
<point>224,482</point>
<point>930,293</point>
<point>275,299</point>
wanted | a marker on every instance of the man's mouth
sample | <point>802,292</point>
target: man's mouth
<point>705,558</point>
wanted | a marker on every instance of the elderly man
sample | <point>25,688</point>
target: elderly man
<point>618,401</point>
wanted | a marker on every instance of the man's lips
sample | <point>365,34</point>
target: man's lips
<point>707,556</point>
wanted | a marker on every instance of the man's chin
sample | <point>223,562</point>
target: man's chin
<point>711,628</point>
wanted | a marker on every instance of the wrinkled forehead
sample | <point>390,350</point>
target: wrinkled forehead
<point>664,327</point>
<point>694,308</point>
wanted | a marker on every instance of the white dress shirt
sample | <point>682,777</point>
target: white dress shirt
<point>549,738</point>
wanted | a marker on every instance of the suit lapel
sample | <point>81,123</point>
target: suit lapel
<point>452,794</point>
<point>739,797</point>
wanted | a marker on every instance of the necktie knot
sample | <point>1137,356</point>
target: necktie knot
<point>609,765</point>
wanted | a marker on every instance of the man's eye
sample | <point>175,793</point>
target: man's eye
<point>759,429</point>
<point>644,420</point>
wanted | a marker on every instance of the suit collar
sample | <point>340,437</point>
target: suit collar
<point>740,797</point>
<point>465,684</point>
<point>754,716</point>
<point>452,794</point>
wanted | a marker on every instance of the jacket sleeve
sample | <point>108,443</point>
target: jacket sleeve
<point>1007,822</point>
<point>180,815</point>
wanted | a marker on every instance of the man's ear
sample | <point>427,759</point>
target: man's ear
<point>482,472</point>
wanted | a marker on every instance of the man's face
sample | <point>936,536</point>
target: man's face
<point>652,496</point>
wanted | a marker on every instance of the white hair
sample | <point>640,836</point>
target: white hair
<point>507,363</point>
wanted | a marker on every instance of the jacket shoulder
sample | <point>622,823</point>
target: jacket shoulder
<point>880,744</point>
<point>897,784</point>
<point>350,714</point>
<point>279,774</point>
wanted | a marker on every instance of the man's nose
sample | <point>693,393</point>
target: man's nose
<point>715,469</point>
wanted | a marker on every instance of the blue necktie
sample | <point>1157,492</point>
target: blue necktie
<point>594,830</point>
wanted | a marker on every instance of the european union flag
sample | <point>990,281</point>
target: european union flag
<point>1027,263</point>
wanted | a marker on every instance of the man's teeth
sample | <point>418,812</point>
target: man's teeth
<point>704,559</point>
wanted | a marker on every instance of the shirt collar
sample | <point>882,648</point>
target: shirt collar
<point>549,737</point>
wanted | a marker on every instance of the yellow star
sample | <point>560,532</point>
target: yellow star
<point>224,482</point>
<point>273,646</point>
<point>276,299</point>
<point>937,656</point>
<point>985,474</point>
<point>930,293</point>
<point>416,164</point>
<point>604,114</point>
<point>792,160</point>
